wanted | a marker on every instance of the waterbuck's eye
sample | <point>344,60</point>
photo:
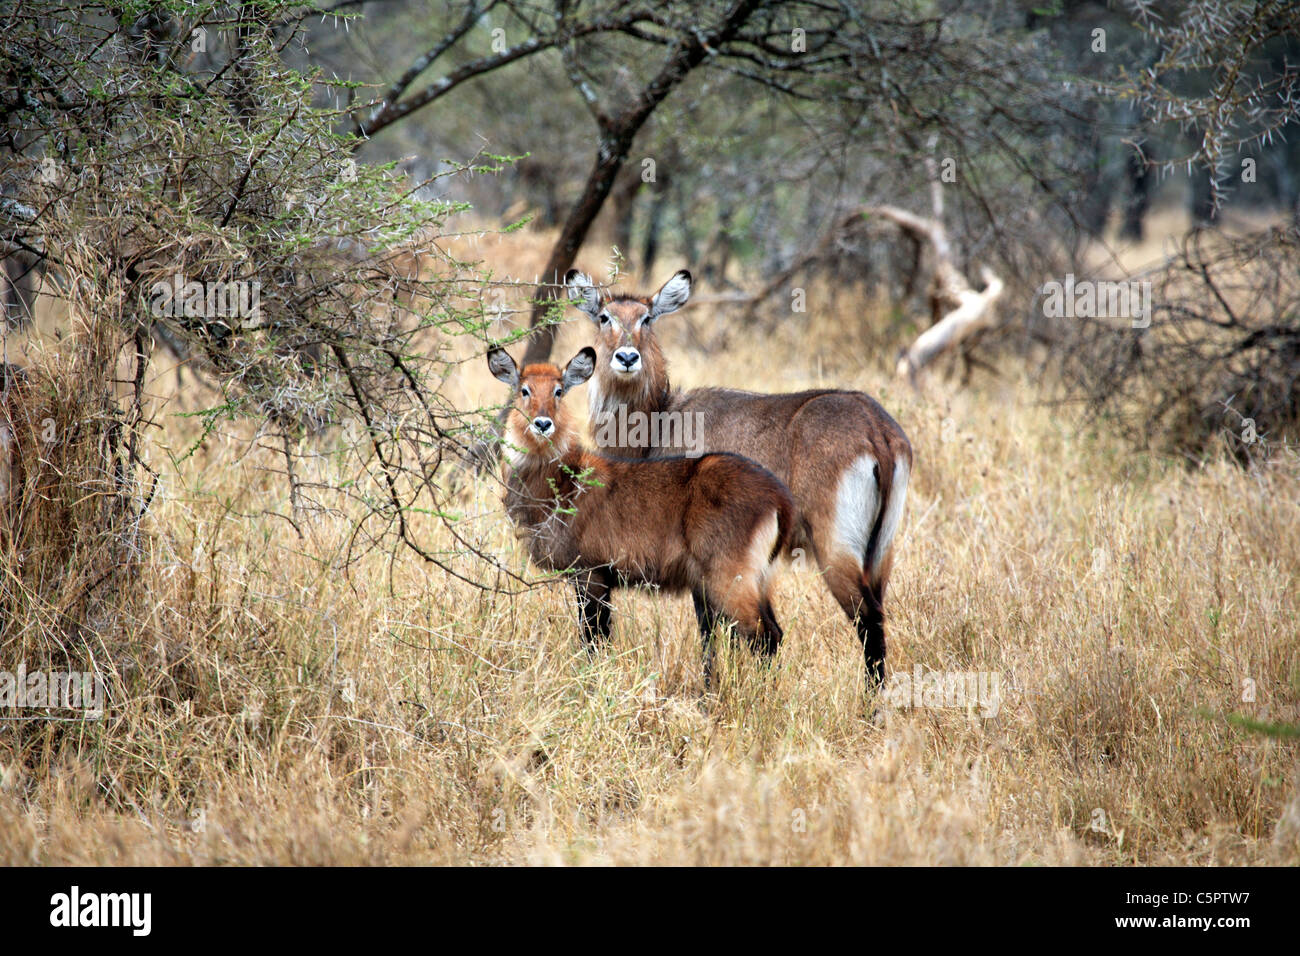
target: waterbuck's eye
<point>604,318</point>
<point>559,390</point>
<point>526,392</point>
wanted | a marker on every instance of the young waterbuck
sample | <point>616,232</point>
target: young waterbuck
<point>711,525</point>
<point>845,460</point>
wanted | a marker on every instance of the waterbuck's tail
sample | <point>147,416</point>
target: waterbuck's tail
<point>788,526</point>
<point>889,514</point>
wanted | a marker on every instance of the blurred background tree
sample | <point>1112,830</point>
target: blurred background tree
<point>151,148</point>
<point>751,128</point>
<point>1058,126</point>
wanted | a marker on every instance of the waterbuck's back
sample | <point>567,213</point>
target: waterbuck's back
<point>811,440</point>
<point>822,430</point>
<point>660,521</point>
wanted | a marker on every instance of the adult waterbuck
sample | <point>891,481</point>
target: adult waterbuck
<point>710,524</point>
<point>845,460</point>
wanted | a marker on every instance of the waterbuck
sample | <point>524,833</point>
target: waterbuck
<point>711,525</point>
<point>845,460</point>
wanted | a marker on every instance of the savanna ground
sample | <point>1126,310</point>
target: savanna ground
<point>288,712</point>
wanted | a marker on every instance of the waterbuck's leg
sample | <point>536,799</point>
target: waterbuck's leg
<point>768,639</point>
<point>865,608</point>
<point>594,607</point>
<point>872,627</point>
<point>742,599</point>
<point>707,618</point>
<point>871,631</point>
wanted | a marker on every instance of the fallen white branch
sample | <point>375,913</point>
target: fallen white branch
<point>957,309</point>
<point>973,312</point>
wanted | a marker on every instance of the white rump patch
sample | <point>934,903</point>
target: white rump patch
<point>893,513</point>
<point>856,502</point>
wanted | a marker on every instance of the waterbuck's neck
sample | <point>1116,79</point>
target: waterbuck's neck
<point>542,492</point>
<point>545,480</point>
<point>550,471</point>
<point>648,391</point>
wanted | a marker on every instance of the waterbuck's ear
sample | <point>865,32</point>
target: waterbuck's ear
<point>583,292</point>
<point>579,368</point>
<point>672,296</point>
<point>504,367</point>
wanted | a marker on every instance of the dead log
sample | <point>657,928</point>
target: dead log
<point>974,312</point>
<point>957,311</point>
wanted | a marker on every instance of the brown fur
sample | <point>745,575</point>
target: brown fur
<point>678,523</point>
<point>807,439</point>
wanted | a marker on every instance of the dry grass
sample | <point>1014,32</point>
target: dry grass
<point>282,712</point>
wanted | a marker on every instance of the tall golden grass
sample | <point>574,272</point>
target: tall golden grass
<point>273,709</point>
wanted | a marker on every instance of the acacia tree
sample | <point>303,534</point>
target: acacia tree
<point>171,173</point>
<point>1213,77</point>
<point>1217,359</point>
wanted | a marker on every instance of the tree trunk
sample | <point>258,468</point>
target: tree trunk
<point>616,139</point>
<point>1139,201</point>
<point>650,248</point>
<point>609,159</point>
<point>622,209</point>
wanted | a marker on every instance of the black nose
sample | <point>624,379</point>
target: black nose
<point>543,425</point>
<point>627,358</point>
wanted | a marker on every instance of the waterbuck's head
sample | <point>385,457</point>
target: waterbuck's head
<point>630,366</point>
<point>538,420</point>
